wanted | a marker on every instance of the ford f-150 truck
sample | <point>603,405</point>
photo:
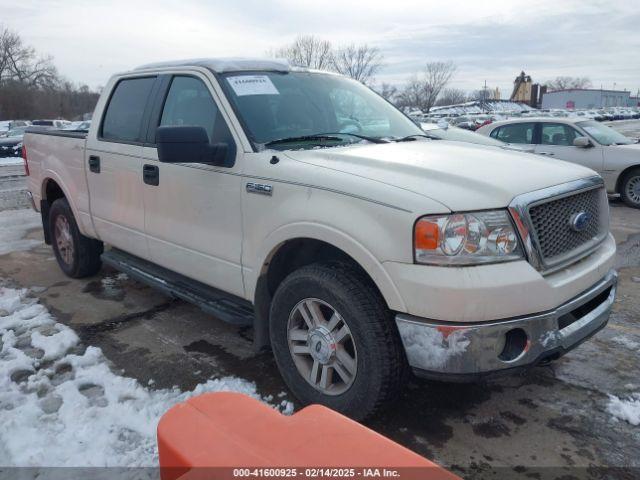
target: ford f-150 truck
<point>302,203</point>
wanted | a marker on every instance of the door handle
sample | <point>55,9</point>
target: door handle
<point>551,154</point>
<point>151,175</point>
<point>94,163</point>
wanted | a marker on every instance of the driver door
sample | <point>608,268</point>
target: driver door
<point>193,217</point>
<point>556,141</point>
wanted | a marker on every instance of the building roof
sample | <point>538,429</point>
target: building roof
<point>224,65</point>
<point>586,90</point>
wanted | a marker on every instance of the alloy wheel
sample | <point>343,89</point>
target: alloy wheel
<point>322,346</point>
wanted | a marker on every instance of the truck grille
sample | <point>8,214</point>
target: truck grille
<point>557,240</point>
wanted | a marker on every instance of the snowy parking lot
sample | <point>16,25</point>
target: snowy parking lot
<point>88,366</point>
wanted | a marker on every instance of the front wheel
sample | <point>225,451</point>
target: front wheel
<point>630,190</point>
<point>335,341</point>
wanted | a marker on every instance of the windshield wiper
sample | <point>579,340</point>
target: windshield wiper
<point>411,138</point>
<point>323,137</point>
<point>303,138</point>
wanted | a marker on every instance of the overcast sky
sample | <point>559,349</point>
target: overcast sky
<point>490,40</point>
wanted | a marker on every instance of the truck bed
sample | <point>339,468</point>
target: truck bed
<point>59,156</point>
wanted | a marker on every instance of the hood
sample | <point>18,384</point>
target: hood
<point>634,147</point>
<point>459,176</point>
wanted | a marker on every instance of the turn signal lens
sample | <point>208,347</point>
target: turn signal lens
<point>466,238</point>
<point>427,235</point>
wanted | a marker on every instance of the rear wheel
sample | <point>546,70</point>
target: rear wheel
<point>78,256</point>
<point>630,188</point>
<point>335,341</point>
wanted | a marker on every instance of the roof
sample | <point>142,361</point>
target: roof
<point>569,120</point>
<point>560,90</point>
<point>223,65</point>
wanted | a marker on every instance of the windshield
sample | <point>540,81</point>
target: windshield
<point>275,106</point>
<point>16,132</point>
<point>604,135</point>
<point>456,134</point>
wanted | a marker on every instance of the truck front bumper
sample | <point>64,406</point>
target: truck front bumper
<point>466,351</point>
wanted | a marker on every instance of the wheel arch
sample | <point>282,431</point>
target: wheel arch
<point>623,174</point>
<point>285,253</point>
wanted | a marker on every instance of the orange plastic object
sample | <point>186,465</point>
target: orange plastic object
<point>228,429</point>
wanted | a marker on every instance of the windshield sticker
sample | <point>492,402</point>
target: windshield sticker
<point>252,85</point>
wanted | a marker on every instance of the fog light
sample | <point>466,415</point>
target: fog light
<point>515,343</point>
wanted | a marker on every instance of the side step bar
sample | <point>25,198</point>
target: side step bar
<point>222,305</point>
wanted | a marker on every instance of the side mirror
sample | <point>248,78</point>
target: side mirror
<point>188,144</point>
<point>582,142</point>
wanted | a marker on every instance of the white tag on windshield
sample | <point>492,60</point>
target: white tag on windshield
<point>252,85</point>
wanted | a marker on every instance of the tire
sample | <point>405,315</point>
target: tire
<point>630,188</point>
<point>376,368</point>
<point>77,255</point>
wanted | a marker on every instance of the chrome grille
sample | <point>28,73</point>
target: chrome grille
<point>544,218</point>
<point>552,223</point>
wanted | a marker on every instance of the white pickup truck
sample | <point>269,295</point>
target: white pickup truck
<point>304,204</point>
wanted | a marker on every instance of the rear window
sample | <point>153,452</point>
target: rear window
<point>123,118</point>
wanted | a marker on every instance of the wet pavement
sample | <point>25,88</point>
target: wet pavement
<point>549,423</point>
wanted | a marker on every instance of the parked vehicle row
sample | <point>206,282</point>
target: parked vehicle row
<point>473,121</point>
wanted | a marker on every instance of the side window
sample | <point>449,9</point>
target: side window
<point>189,102</point>
<point>516,133</point>
<point>558,134</point>
<point>123,118</point>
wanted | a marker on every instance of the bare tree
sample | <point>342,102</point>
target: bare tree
<point>423,91</point>
<point>19,62</point>
<point>451,96</point>
<point>307,51</point>
<point>389,92</point>
<point>30,86</point>
<point>563,83</point>
<point>359,62</point>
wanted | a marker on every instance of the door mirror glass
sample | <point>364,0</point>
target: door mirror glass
<point>582,142</point>
<point>189,144</point>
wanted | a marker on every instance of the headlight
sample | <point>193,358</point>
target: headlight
<point>466,238</point>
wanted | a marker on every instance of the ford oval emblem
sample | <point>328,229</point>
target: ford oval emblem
<point>580,221</point>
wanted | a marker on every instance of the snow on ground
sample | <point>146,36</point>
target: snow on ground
<point>14,224</point>
<point>11,161</point>
<point>627,410</point>
<point>60,403</point>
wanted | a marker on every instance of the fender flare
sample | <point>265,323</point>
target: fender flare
<point>339,239</point>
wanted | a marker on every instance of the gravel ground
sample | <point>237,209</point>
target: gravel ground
<point>554,422</point>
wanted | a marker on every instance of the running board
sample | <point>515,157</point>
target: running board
<point>222,305</point>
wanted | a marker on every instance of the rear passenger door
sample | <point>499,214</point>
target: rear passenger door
<point>114,166</point>
<point>193,217</point>
<point>556,141</point>
<point>520,133</point>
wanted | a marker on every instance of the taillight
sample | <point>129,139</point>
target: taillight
<point>24,157</point>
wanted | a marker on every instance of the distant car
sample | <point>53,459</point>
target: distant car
<point>586,142</point>
<point>51,123</point>
<point>442,131</point>
<point>11,144</point>
<point>7,125</point>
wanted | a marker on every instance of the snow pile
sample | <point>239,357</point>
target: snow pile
<point>14,225</point>
<point>627,410</point>
<point>625,341</point>
<point>61,405</point>
<point>11,161</point>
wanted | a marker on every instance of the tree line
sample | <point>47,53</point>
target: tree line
<point>31,87</point>
<point>422,90</point>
